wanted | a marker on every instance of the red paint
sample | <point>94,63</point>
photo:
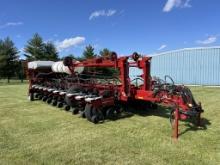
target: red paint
<point>126,91</point>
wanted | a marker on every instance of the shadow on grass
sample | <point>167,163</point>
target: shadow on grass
<point>193,127</point>
<point>144,110</point>
<point>141,109</point>
<point>161,111</point>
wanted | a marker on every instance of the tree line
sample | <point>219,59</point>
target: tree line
<point>35,49</point>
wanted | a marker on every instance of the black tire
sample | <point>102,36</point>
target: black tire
<point>36,95</point>
<point>110,113</point>
<point>60,105</point>
<point>135,56</point>
<point>49,101</point>
<point>40,97</point>
<point>45,98</point>
<point>114,56</point>
<point>95,119</point>
<point>99,114</point>
<point>31,97</point>
<point>54,103</point>
<point>93,114</point>
<point>68,61</point>
<point>67,108</point>
<point>75,111</point>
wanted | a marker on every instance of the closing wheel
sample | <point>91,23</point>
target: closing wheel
<point>49,100</point>
<point>67,108</point>
<point>110,113</point>
<point>54,102</point>
<point>95,119</point>
<point>40,97</point>
<point>60,104</point>
<point>99,114</point>
<point>36,95</point>
<point>45,98</point>
<point>91,111</point>
<point>75,111</point>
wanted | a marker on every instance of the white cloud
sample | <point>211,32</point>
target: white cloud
<point>209,40</point>
<point>21,50</point>
<point>187,4</point>
<point>8,24</point>
<point>121,12</point>
<point>106,13</point>
<point>69,42</point>
<point>170,4</point>
<point>162,47</point>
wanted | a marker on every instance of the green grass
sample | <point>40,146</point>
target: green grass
<point>36,133</point>
<point>12,82</point>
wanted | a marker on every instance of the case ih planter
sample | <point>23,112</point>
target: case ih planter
<point>79,86</point>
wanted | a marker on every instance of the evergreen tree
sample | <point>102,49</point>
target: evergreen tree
<point>50,52</point>
<point>20,69</point>
<point>89,52</point>
<point>8,58</point>
<point>105,52</point>
<point>34,49</point>
<point>72,56</point>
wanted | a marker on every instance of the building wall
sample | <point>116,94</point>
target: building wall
<point>199,66</point>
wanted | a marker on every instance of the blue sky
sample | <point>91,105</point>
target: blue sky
<point>125,26</point>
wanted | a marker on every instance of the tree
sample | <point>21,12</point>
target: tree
<point>8,58</point>
<point>105,52</point>
<point>20,69</point>
<point>50,52</point>
<point>89,52</point>
<point>35,48</point>
<point>72,56</point>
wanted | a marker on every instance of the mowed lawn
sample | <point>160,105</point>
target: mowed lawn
<point>37,133</point>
